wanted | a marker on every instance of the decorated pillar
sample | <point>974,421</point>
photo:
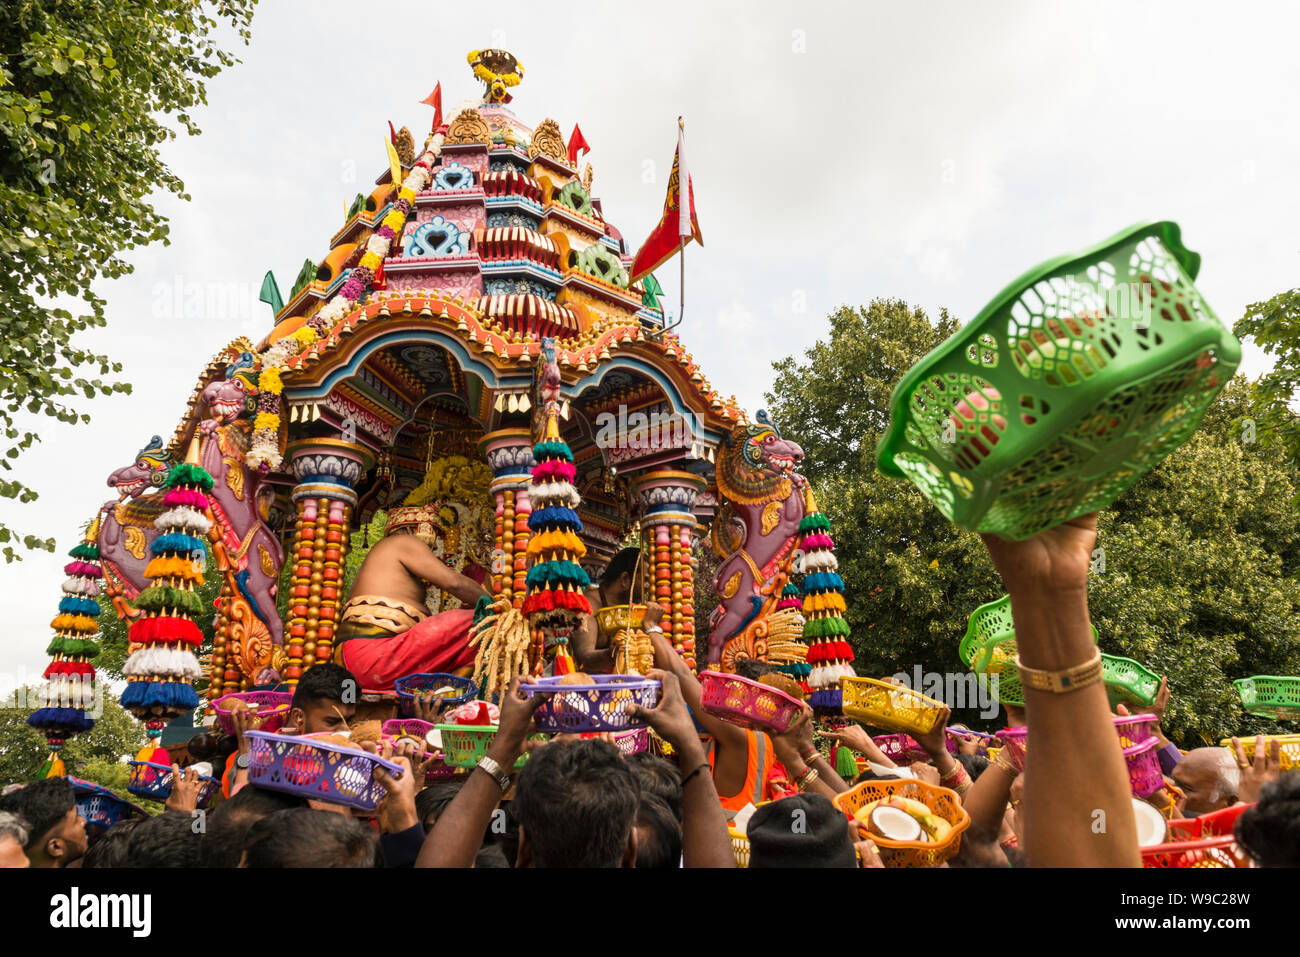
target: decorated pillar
<point>667,529</point>
<point>509,454</point>
<point>328,471</point>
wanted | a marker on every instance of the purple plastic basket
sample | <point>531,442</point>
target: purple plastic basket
<point>416,728</point>
<point>749,704</point>
<point>154,781</point>
<point>1144,774</point>
<point>407,687</point>
<point>596,707</point>
<point>316,769</point>
<point>273,707</point>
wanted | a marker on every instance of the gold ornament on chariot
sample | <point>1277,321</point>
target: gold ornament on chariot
<point>135,541</point>
<point>268,566</point>
<point>548,140</point>
<point>733,585</point>
<point>235,477</point>
<point>771,516</point>
<point>468,127</point>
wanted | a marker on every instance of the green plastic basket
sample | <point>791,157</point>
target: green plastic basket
<point>989,648</point>
<point>1270,696</point>
<point>464,744</point>
<point>1070,384</point>
<point>986,623</point>
<point>1129,681</point>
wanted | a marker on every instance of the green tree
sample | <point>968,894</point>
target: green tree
<point>1274,325</point>
<point>95,755</point>
<point>87,88</point>
<point>1200,557</point>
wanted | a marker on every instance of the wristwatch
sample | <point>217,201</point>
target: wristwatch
<point>241,761</point>
<point>495,772</point>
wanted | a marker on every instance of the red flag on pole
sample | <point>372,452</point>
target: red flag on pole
<point>392,133</point>
<point>577,142</point>
<point>678,224</point>
<point>434,100</point>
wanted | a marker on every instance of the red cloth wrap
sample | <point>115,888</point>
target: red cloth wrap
<point>438,644</point>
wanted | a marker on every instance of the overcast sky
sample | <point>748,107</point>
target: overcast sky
<point>928,151</point>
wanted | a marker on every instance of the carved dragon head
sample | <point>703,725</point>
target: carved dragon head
<point>149,470</point>
<point>226,399</point>
<point>755,462</point>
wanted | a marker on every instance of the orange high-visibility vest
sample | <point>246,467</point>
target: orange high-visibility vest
<point>757,769</point>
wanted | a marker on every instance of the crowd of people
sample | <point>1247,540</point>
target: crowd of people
<point>580,802</point>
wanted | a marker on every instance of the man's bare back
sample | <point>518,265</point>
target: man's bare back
<point>398,566</point>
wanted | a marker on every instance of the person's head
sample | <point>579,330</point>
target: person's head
<point>13,837</point>
<point>303,837</point>
<point>1209,778</point>
<point>433,800</point>
<point>228,826</point>
<point>576,803</point>
<point>56,830</point>
<point>805,830</point>
<point>658,835</point>
<point>619,577</point>
<point>659,778</point>
<point>325,699</point>
<point>1270,831</point>
<point>109,849</point>
<point>974,764</point>
<point>753,669</point>
<point>167,840</point>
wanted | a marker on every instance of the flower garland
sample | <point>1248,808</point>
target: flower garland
<point>825,630</point>
<point>555,582</point>
<point>264,448</point>
<point>161,667</point>
<point>69,687</point>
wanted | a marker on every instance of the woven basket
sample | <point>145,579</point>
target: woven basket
<point>1204,841</point>
<point>941,801</point>
<point>154,781</point>
<point>1071,383</point>
<point>1270,696</point>
<point>746,703</point>
<point>889,707</point>
<point>600,706</point>
<point>1288,752</point>
<point>408,687</point>
<point>317,769</point>
<point>273,708</point>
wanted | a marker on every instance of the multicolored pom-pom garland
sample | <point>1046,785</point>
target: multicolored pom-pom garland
<point>799,670</point>
<point>556,583</point>
<point>825,630</point>
<point>69,679</point>
<point>162,666</point>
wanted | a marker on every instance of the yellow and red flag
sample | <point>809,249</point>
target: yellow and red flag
<point>678,224</point>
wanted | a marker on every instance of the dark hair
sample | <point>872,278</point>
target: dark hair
<point>323,682</point>
<point>871,775</point>
<point>213,746</point>
<point>1270,831</point>
<point>42,805</point>
<point>658,778</point>
<point>753,669</point>
<point>228,826</point>
<point>576,802</point>
<point>491,855</point>
<point>304,837</point>
<point>974,764</point>
<point>661,846</point>
<point>168,840</point>
<point>435,798</point>
<point>624,561</point>
<point>110,848</point>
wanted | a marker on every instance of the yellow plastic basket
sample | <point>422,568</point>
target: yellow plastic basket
<point>1288,752</point>
<point>888,706</point>
<point>941,801</point>
<point>739,847</point>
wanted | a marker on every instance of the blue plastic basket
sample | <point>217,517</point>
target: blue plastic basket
<point>407,687</point>
<point>154,781</point>
<point>100,806</point>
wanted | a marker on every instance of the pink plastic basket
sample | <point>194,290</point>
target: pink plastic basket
<point>316,769</point>
<point>746,703</point>
<point>1144,774</point>
<point>1135,729</point>
<point>415,728</point>
<point>272,708</point>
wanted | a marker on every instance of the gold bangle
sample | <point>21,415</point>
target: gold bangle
<point>1063,681</point>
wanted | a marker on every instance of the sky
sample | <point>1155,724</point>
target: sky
<point>839,152</point>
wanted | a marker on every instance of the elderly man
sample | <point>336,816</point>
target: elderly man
<point>385,630</point>
<point>1210,779</point>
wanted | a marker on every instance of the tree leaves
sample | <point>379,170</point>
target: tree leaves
<point>79,131</point>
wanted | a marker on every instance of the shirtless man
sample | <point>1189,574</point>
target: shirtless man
<point>385,630</point>
<point>591,650</point>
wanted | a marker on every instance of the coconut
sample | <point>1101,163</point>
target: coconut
<point>894,824</point>
<point>576,678</point>
<point>1151,826</point>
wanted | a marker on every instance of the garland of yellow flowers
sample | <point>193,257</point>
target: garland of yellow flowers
<point>264,453</point>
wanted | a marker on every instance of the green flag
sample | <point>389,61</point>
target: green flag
<point>650,298</point>
<point>271,293</point>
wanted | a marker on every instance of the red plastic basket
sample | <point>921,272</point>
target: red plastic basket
<point>746,703</point>
<point>1204,841</point>
<point>272,708</point>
